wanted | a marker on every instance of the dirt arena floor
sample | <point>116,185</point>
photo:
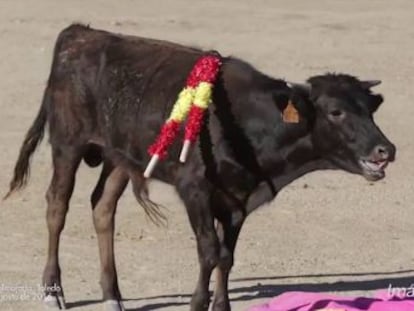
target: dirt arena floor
<point>328,231</point>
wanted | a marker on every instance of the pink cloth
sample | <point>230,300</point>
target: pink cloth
<point>303,301</point>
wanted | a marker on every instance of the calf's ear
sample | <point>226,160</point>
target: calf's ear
<point>375,101</point>
<point>296,104</point>
<point>300,97</point>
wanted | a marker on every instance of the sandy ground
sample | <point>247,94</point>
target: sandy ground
<point>328,231</point>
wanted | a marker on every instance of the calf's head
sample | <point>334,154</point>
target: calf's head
<point>343,127</point>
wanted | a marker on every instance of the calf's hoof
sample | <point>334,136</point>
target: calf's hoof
<point>54,302</point>
<point>222,305</point>
<point>113,305</point>
<point>199,303</point>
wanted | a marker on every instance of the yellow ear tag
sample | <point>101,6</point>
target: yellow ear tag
<point>290,114</point>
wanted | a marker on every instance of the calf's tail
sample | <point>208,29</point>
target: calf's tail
<point>33,137</point>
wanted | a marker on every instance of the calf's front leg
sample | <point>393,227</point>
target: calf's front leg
<point>228,230</point>
<point>195,195</point>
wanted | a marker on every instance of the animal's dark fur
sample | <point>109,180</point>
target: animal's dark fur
<point>107,97</point>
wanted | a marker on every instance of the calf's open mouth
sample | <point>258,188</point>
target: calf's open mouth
<point>373,170</point>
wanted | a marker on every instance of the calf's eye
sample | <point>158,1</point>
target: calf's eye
<point>336,113</point>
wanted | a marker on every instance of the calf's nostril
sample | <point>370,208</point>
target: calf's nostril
<point>382,152</point>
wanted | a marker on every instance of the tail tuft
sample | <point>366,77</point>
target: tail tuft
<point>33,138</point>
<point>153,210</point>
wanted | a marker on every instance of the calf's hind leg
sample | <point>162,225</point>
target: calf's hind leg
<point>65,163</point>
<point>110,186</point>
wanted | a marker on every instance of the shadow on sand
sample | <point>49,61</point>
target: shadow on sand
<point>382,280</point>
